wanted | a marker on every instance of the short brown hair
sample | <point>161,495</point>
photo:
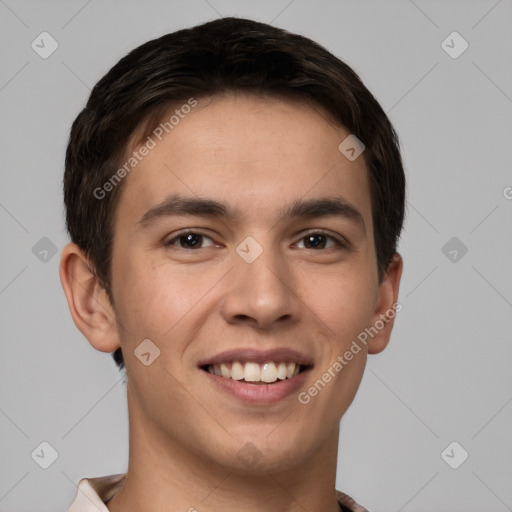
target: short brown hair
<point>228,54</point>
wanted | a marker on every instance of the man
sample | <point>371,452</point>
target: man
<point>234,197</point>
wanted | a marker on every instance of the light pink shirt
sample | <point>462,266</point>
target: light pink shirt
<point>93,493</point>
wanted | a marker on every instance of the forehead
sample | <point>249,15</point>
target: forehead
<point>256,153</point>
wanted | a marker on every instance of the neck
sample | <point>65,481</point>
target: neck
<point>163,475</point>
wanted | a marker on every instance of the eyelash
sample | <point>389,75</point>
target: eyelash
<point>340,244</point>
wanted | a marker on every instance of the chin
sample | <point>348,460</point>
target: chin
<point>263,455</point>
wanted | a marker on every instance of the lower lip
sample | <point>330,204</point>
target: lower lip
<point>259,393</point>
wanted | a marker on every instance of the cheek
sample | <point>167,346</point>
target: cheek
<point>155,298</point>
<point>344,301</point>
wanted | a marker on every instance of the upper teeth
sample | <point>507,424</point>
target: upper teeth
<point>254,372</point>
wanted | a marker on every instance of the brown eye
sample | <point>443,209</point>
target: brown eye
<point>190,240</point>
<point>315,241</point>
<point>319,240</point>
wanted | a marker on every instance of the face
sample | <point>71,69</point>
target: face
<point>253,281</point>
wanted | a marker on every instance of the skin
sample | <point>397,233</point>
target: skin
<point>256,154</point>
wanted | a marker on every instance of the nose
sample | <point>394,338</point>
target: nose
<point>262,293</point>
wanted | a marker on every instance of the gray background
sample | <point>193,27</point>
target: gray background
<point>446,374</point>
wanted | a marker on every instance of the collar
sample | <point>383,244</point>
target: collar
<point>93,493</point>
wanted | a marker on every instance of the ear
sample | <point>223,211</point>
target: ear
<point>87,300</point>
<point>387,307</point>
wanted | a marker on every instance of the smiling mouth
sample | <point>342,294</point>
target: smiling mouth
<point>255,373</point>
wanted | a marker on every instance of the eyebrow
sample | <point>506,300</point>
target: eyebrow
<point>177,205</point>
<point>324,207</point>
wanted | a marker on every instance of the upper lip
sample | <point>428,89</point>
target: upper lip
<point>277,355</point>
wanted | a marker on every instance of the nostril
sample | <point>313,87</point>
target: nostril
<point>242,317</point>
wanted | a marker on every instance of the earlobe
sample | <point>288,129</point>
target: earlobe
<point>87,300</point>
<point>387,307</point>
